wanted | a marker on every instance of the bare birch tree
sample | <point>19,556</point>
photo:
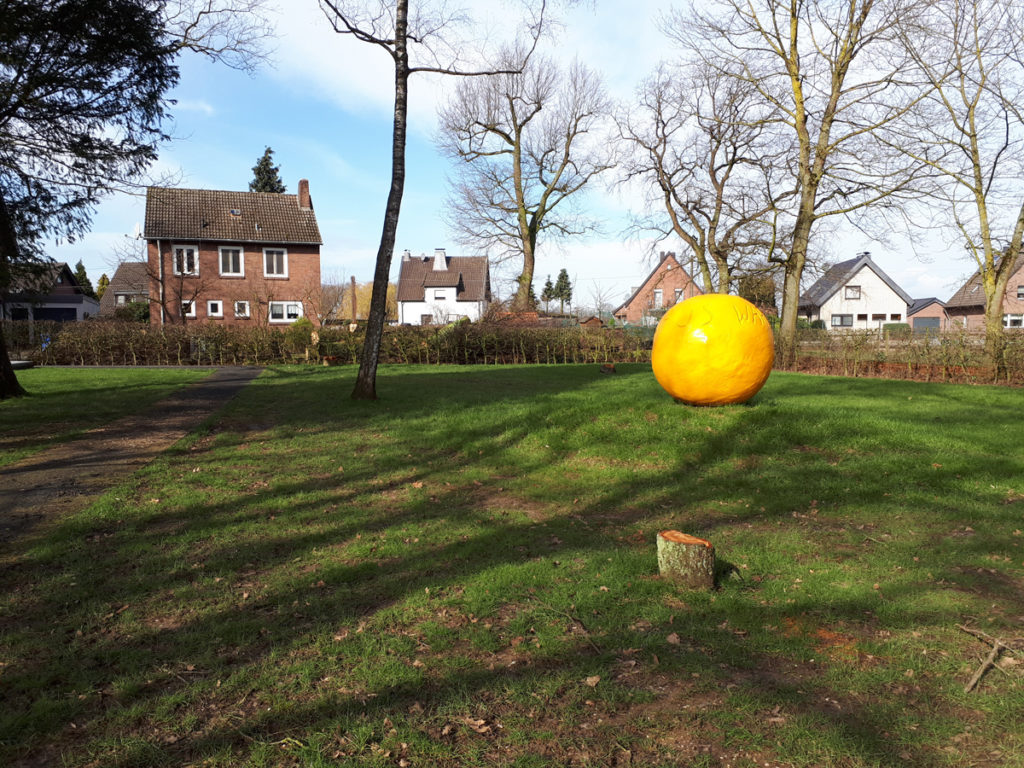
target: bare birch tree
<point>526,146</point>
<point>970,132</point>
<point>417,39</point>
<point>703,143</point>
<point>831,75</point>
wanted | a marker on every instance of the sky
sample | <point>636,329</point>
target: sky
<point>324,105</point>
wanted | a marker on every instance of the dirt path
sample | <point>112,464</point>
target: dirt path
<point>66,478</point>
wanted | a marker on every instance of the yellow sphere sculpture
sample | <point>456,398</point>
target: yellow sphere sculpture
<point>713,350</point>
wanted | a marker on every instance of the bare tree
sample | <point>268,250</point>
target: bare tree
<point>232,32</point>
<point>526,147</point>
<point>830,75</point>
<point>421,39</point>
<point>970,132</point>
<point>703,144</point>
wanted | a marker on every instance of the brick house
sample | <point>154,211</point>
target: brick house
<point>130,284</point>
<point>966,307</point>
<point>238,258</point>
<point>667,285</point>
<point>928,315</point>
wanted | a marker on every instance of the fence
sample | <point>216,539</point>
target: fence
<point>950,356</point>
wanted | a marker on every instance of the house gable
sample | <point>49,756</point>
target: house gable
<point>855,293</point>
<point>442,286</point>
<point>967,304</point>
<point>668,277</point>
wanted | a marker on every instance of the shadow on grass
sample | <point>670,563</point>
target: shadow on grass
<point>565,475</point>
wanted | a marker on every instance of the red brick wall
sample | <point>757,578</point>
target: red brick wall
<point>932,310</point>
<point>668,276</point>
<point>301,285</point>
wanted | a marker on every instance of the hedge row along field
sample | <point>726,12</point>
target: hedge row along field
<point>952,356</point>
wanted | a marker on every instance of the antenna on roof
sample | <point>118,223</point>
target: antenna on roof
<point>137,231</point>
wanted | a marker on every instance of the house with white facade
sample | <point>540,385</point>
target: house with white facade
<point>442,289</point>
<point>855,294</point>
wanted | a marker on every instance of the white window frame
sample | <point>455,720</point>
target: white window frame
<point>285,306</point>
<point>1020,292</point>
<point>439,294</point>
<point>244,312</point>
<point>210,312</point>
<point>188,308</point>
<point>851,292</point>
<point>842,321</point>
<point>659,298</point>
<point>241,261</point>
<point>195,262</point>
<point>284,263</point>
<point>678,294</point>
<point>1013,321</point>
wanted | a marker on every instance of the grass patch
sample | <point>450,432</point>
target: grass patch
<point>464,573</point>
<point>65,402</point>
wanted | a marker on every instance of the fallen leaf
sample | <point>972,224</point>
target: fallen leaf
<point>672,639</point>
<point>417,484</point>
<point>593,680</point>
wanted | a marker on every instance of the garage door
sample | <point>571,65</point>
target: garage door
<point>926,324</point>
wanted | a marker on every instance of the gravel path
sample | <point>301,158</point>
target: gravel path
<point>66,478</point>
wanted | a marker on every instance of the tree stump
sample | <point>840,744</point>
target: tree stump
<point>686,560</point>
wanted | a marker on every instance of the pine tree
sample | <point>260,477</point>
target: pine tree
<point>563,289</point>
<point>548,294</point>
<point>265,174</point>
<point>101,286</point>
<point>83,280</point>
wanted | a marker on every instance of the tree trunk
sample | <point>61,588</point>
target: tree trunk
<point>794,271</point>
<point>9,386</point>
<point>686,560</point>
<point>366,379</point>
<point>995,334</point>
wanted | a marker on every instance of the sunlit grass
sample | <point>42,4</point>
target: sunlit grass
<point>464,573</point>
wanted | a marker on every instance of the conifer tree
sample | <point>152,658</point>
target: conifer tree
<point>265,174</point>
<point>563,290</point>
<point>83,280</point>
<point>548,293</point>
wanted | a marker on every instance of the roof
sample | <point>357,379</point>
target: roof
<point>469,274</point>
<point>39,278</point>
<point>665,256</point>
<point>839,274</point>
<point>972,293</point>
<point>249,217</point>
<point>918,304</point>
<point>131,277</point>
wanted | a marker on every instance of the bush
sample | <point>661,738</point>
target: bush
<point>897,329</point>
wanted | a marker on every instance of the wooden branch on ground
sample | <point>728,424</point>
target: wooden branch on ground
<point>998,646</point>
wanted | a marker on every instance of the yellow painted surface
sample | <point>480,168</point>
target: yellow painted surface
<point>713,350</point>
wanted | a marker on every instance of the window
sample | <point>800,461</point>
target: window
<point>842,321</point>
<point>232,264</point>
<point>438,295</point>
<point>188,309</point>
<point>122,298</point>
<point>186,261</point>
<point>1020,292</point>
<point>851,292</point>
<point>215,309</point>
<point>241,309</point>
<point>285,311</point>
<point>679,295</point>
<point>880,317</point>
<point>1013,321</point>
<point>275,262</point>
<point>659,298</point>
<point>895,317</point>
<point>862,318</point>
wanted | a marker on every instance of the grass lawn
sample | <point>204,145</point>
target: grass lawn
<point>65,402</point>
<point>464,573</point>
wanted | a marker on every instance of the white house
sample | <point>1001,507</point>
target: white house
<point>443,288</point>
<point>855,294</point>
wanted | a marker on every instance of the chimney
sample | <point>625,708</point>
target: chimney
<point>440,264</point>
<point>304,202</point>
<point>406,256</point>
